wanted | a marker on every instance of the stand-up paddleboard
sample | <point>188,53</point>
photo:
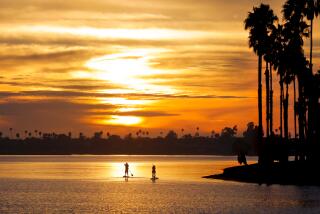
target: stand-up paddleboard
<point>154,178</point>
<point>129,177</point>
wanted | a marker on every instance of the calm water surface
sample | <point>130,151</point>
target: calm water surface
<point>94,184</point>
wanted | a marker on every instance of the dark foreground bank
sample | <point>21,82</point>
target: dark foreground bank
<point>292,173</point>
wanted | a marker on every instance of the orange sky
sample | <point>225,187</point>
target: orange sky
<point>120,66</point>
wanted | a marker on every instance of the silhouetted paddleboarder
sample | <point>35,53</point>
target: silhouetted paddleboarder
<point>126,170</point>
<point>154,171</point>
<point>154,176</point>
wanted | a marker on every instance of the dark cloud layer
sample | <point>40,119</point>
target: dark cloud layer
<point>61,114</point>
<point>75,94</point>
<point>46,115</point>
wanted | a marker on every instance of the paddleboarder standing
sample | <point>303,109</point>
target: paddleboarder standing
<point>126,169</point>
<point>153,171</point>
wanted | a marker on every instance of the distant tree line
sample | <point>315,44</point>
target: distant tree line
<point>225,143</point>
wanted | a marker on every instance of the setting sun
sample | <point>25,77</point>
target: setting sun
<point>123,120</point>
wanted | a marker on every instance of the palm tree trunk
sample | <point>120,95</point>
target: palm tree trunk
<point>271,101</point>
<point>295,107</point>
<point>310,94</point>
<point>311,43</point>
<point>260,132</point>
<point>281,104</point>
<point>301,117</point>
<point>267,98</point>
<point>311,110</point>
<point>301,114</point>
<point>285,107</point>
<point>310,91</point>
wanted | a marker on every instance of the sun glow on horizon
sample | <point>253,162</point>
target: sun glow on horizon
<point>123,120</point>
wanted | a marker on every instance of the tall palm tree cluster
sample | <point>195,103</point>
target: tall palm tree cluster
<point>280,45</point>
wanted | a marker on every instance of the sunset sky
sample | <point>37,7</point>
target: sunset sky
<point>120,66</point>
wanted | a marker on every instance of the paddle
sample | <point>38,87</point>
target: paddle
<point>130,172</point>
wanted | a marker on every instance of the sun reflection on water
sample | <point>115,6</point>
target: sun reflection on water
<point>117,169</point>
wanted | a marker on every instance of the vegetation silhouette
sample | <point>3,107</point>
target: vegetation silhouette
<point>259,23</point>
<point>281,46</point>
<point>225,143</point>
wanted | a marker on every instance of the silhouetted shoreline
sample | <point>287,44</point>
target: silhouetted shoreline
<point>147,146</point>
<point>293,173</point>
<point>61,144</point>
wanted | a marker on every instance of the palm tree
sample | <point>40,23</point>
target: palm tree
<point>301,66</point>
<point>212,133</point>
<point>275,47</point>
<point>10,129</point>
<point>267,58</point>
<point>293,12</point>
<point>287,80</point>
<point>279,61</point>
<point>282,63</point>
<point>267,74</point>
<point>311,11</point>
<point>197,134</point>
<point>295,106</point>
<point>259,23</point>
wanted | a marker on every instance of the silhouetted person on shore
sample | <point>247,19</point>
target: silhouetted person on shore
<point>242,158</point>
<point>153,171</point>
<point>126,169</point>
